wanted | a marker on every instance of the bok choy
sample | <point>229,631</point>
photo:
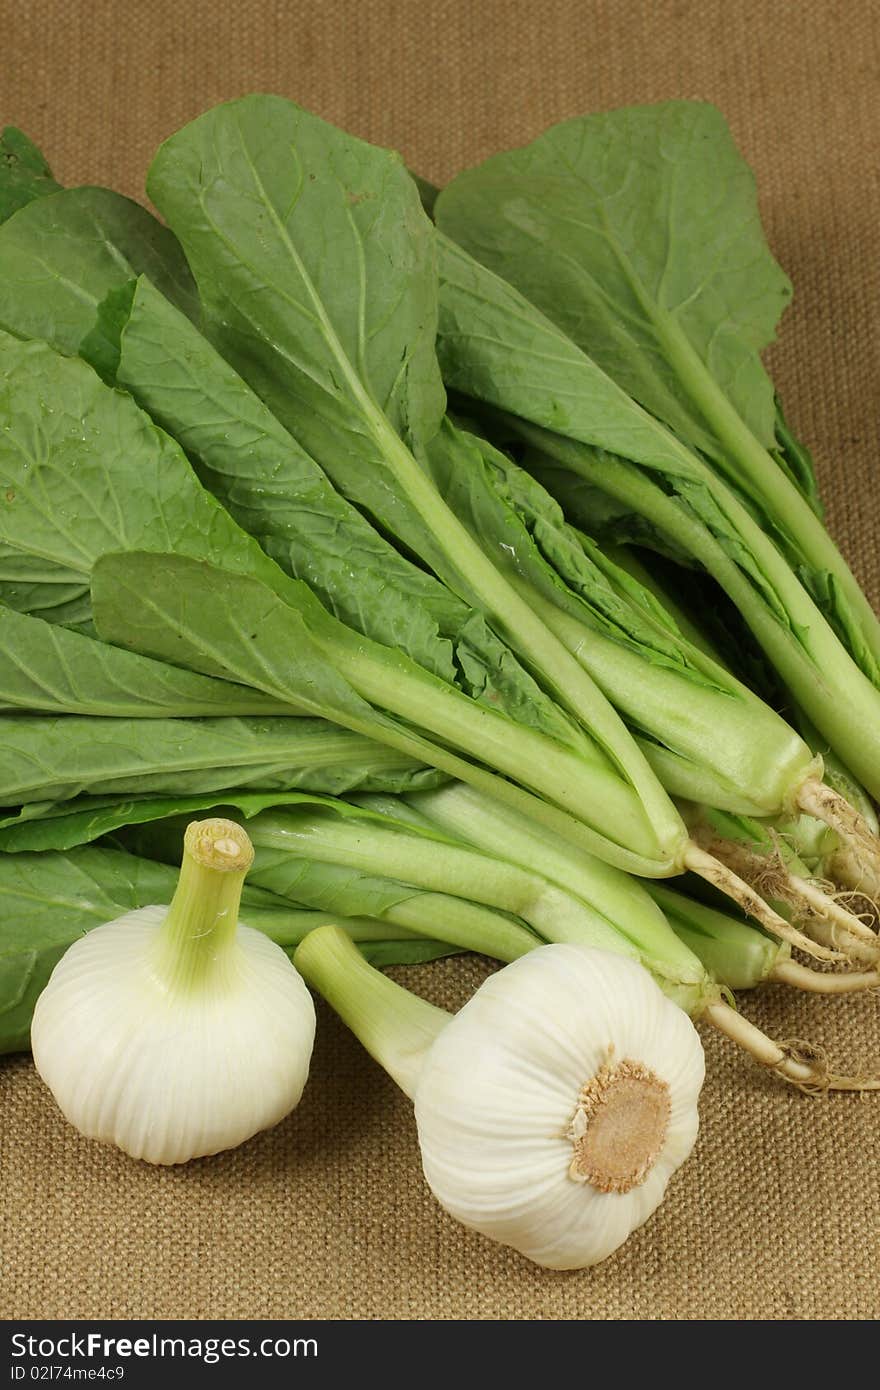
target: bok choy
<point>577,757</point>
<point>589,441</point>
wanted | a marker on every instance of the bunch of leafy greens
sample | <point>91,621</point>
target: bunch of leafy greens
<point>580,761</point>
<point>625,335</point>
<point>271,561</point>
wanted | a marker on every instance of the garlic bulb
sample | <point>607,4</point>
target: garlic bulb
<point>176,1031</point>
<point>553,1109</point>
<point>558,1103</point>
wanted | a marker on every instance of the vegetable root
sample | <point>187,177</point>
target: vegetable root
<point>790,972</point>
<point>769,876</point>
<point>797,1062</point>
<point>700,862</point>
<point>858,861</point>
<point>843,923</point>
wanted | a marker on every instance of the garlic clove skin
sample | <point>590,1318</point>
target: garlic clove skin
<point>171,1074</point>
<point>497,1100</point>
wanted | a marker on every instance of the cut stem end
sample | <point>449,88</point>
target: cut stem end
<point>619,1127</point>
<point>219,844</point>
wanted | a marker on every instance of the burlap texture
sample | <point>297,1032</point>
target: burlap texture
<point>775,1215</point>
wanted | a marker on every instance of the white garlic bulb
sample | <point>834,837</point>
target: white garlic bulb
<point>557,1104</point>
<point>177,1032</point>
<point>553,1109</point>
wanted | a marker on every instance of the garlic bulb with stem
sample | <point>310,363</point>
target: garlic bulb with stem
<point>552,1109</point>
<point>175,1032</point>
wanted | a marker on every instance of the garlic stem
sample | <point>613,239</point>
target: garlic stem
<point>193,942</point>
<point>396,1027</point>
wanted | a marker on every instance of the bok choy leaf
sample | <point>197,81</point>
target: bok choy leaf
<point>46,759</point>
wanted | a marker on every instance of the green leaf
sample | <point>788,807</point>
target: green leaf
<point>66,825</point>
<point>796,461</point>
<point>228,624</point>
<point>46,902</point>
<point>271,485</point>
<point>24,173</point>
<point>60,254</point>
<point>280,495</point>
<point>271,204</point>
<point>101,347</point>
<point>649,218</point>
<point>428,192</point>
<point>47,667</point>
<point>62,504</point>
<point>46,759</point>
<point>495,346</point>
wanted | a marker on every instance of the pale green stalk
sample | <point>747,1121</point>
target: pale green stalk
<point>193,944</point>
<point>436,866</point>
<point>396,1027</point>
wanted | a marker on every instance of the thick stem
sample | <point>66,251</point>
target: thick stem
<point>751,759</point>
<point>575,781</point>
<point>789,972</point>
<point>194,938</point>
<point>825,804</point>
<point>837,696</point>
<point>720,876</point>
<point>616,900</point>
<point>460,923</point>
<point>437,866</point>
<point>802,533</point>
<point>288,928</point>
<point>396,1027</point>
<point>797,1062</point>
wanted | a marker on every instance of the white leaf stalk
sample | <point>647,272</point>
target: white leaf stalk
<point>553,1109</point>
<point>175,1032</point>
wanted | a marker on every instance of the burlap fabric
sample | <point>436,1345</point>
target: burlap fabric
<point>775,1215</point>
